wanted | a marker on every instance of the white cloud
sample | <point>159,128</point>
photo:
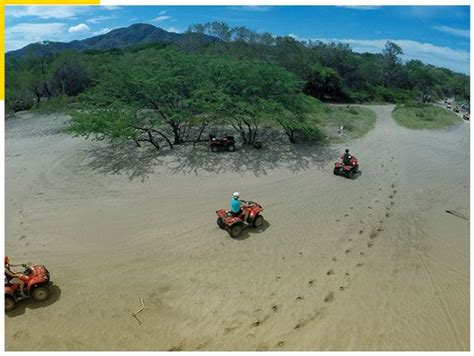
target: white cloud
<point>43,12</point>
<point>110,7</point>
<point>22,34</point>
<point>355,7</point>
<point>161,18</point>
<point>102,32</point>
<point>456,60</point>
<point>98,19</point>
<point>35,28</point>
<point>82,27</point>
<point>453,31</point>
<point>173,29</point>
<point>254,8</point>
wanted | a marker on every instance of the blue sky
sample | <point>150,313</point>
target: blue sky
<point>438,35</point>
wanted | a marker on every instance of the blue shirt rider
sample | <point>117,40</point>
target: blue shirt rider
<point>236,206</point>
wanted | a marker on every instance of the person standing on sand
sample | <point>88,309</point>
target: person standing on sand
<point>12,277</point>
<point>236,206</point>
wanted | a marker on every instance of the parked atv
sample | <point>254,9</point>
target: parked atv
<point>347,170</point>
<point>224,142</point>
<point>234,224</point>
<point>466,116</point>
<point>456,109</point>
<point>36,280</point>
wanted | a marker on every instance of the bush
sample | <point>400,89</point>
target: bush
<point>59,104</point>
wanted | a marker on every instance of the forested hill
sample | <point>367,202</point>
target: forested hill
<point>119,38</point>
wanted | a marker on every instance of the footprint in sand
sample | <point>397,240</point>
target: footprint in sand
<point>299,298</point>
<point>341,288</point>
<point>393,185</point>
<point>359,264</point>
<point>346,215</point>
<point>276,307</point>
<point>330,272</point>
<point>347,251</point>
<point>311,282</point>
<point>373,235</point>
<point>22,237</point>
<point>394,192</point>
<point>347,274</point>
<point>329,297</point>
<point>370,207</point>
<point>391,196</point>
<point>361,253</point>
<point>334,259</point>
<point>277,278</point>
<point>300,253</point>
<point>349,240</point>
<point>392,202</point>
<point>361,232</point>
<point>281,344</point>
<point>387,215</point>
<point>370,244</point>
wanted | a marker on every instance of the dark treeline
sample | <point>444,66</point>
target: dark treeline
<point>332,71</point>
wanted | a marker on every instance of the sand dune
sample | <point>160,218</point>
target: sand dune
<point>374,263</point>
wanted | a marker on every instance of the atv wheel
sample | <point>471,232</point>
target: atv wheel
<point>40,294</point>
<point>258,221</point>
<point>231,148</point>
<point>351,174</point>
<point>214,149</point>
<point>220,223</point>
<point>10,304</point>
<point>235,230</point>
<point>336,171</point>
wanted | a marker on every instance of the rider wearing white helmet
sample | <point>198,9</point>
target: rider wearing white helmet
<point>236,205</point>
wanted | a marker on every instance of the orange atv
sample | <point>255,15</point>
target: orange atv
<point>234,224</point>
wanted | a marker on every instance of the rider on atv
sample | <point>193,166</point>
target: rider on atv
<point>12,277</point>
<point>347,158</point>
<point>236,206</point>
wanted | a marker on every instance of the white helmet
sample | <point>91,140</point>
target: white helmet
<point>236,194</point>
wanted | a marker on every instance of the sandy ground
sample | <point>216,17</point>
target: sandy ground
<point>373,263</point>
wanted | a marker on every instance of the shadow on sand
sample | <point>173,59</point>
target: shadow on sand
<point>31,304</point>
<point>248,231</point>
<point>141,162</point>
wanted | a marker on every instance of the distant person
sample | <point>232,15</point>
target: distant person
<point>347,158</point>
<point>236,206</point>
<point>12,277</point>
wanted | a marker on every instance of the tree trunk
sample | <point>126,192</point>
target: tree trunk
<point>164,136</point>
<point>177,132</point>
<point>203,126</point>
<point>152,140</point>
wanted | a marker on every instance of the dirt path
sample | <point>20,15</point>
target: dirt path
<point>370,264</point>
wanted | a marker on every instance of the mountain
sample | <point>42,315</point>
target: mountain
<point>119,38</point>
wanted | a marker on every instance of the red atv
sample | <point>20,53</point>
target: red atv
<point>36,280</point>
<point>346,170</point>
<point>224,142</point>
<point>235,224</point>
